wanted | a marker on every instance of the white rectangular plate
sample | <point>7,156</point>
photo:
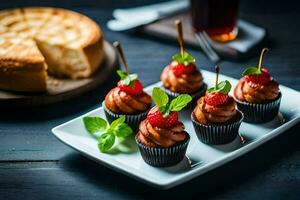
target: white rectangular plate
<point>200,157</point>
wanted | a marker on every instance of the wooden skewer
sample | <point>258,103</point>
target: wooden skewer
<point>263,51</point>
<point>117,45</point>
<point>179,35</point>
<point>217,68</point>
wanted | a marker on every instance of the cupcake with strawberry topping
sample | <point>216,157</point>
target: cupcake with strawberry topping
<point>257,94</point>
<point>162,139</point>
<point>128,98</point>
<point>215,118</point>
<point>181,75</point>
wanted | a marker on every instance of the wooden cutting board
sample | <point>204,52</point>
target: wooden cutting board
<point>62,89</point>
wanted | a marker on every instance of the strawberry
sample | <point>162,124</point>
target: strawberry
<point>134,88</point>
<point>261,79</point>
<point>157,119</point>
<point>216,98</point>
<point>179,68</point>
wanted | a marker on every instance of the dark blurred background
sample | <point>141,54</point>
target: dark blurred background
<point>247,6</point>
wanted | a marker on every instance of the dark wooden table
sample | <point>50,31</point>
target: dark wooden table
<point>35,165</point>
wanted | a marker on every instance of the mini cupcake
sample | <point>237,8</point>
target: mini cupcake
<point>181,75</point>
<point>215,118</point>
<point>128,98</point>
<point>162,139</point>
<point>257,94</point>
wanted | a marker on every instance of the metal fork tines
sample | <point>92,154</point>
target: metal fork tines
<point>206,47</point>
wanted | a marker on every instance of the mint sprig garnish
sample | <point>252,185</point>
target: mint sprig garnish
<point>223,87</point>
<point>165,107</point>
<point>106,141</point>
<point>105,133</point>
<point>94,124</point>
<point>160,99</point>
<point>180,102</point>
<point>184,58</point>
<point>127,79</point>
<point>257,69</point>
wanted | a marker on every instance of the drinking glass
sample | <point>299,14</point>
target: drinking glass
<point>218,18</point>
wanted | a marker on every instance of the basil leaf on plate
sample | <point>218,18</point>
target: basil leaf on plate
<point>122,130</point>
<point>106,141</point>
<point>116,122</point>
<point>94,124</point>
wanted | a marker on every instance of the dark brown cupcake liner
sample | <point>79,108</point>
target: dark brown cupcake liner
<point>218,133</point>
<point>259,112</point>
<point>195,96</point>
<point>132,120</point>
<point>164,157</point>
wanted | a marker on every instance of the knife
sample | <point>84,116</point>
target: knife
<point>130,18</point>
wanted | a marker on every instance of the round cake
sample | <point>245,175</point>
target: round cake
<point>35,41</point>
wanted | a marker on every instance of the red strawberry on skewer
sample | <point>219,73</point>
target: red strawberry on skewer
<point>257,75</point>
<point>165,113</point>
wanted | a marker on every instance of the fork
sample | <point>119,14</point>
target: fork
<point>206,46</point>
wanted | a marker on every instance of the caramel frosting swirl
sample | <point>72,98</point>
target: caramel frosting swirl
<point>206,114</point>
<point>255,93</point>
<point>160,137</point>
<point>185,83</point>
<point>120,102</point>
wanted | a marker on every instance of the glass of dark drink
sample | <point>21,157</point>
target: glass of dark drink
<point>218,18</point>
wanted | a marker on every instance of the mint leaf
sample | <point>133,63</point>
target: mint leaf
<point>180,102</point>
<point>162,109</point>
<point>184,58</point>
<point>223,87</point>
<point>122,130</point>
<point>122,74</point>
<point>178,58</point>
<point>127,79</point>
<point>187,57</point>
<point>106,141</point>
<point>251,71</point>
<point>117,122</point>
<point>94,124</point>
<point>133,77</point>
<point>160,98</point>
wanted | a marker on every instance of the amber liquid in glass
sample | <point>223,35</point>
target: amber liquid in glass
<point>217,18</point>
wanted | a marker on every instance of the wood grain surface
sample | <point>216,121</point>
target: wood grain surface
<point>35,165</point>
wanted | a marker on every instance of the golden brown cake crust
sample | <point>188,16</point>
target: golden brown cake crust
<point>22,66</point>
<point>29,78</point>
